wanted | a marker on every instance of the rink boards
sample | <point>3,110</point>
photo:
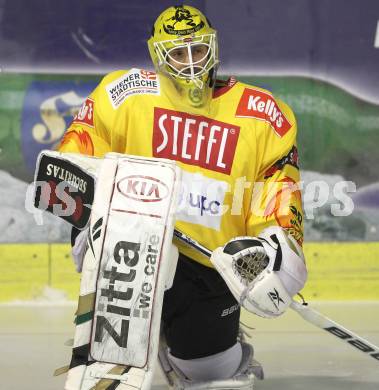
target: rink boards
<point>337,271</point>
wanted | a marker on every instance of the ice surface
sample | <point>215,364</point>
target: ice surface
<point>295,354</point>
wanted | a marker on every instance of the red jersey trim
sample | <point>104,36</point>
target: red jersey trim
<point>229,84</point>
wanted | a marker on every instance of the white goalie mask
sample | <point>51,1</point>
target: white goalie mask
<point>183,46</point>
<point>188,58</point>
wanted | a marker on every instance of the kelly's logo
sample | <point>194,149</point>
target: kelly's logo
<point>261,105</point>
<point>194,140</point>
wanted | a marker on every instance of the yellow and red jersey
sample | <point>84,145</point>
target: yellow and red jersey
<point>238,155</point>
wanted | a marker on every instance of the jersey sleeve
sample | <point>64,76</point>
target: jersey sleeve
<point>276,197</point>
<point>87,133</point>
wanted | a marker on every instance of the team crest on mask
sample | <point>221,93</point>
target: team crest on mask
<point>183,22</point>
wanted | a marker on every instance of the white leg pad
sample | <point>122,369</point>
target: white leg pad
<point>243,379</point>
<point>126,268</point>
<point>222,365</point>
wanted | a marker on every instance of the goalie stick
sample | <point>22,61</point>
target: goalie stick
<point>308,314</point>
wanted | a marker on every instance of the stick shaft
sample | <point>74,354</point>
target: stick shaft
<point>192,243</point>
<point>323,322</point>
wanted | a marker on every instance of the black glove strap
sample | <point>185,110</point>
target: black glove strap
<point>233,247</point>
<point>278,256</point>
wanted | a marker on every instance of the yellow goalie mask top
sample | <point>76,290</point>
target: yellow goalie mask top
<point>183,46</point>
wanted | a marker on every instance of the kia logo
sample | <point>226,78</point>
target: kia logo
<point>143,188</point>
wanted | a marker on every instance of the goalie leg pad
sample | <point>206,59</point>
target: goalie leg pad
<point>125,270</point>
<point>218,366</point>
<point>243,379</point>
